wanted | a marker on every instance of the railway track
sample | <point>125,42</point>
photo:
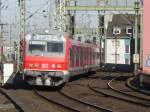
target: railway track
<point>80,89</point>
<point>132,84</point>
<point>69,102</point>
<point>13,100</point>
<point>112,92</point>
<point>100,108</point>
<point>13,93</point>
<point>113,84</point>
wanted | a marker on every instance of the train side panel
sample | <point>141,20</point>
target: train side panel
<point>83,58</point>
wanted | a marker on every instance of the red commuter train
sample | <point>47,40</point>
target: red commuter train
<point>51,59</point>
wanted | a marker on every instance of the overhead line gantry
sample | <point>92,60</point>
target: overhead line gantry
<point>62,6</point>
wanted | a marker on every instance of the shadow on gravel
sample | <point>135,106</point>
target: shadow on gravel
<point>122,78</point>
<point>41,88</point>
<point>83,76</point>
<point>108,77</point>
<point>136,83</point>
<point>91,75</point>
<point>18,83</point>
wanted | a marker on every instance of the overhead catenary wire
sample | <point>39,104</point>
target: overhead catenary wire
<point>36,11</point>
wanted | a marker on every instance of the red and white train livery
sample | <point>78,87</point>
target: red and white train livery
<point>51,59</point>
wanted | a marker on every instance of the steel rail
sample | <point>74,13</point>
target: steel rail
<point>13,100</point>
<point>128,83</point>
<point>56,102</point>
<point>117,95</point>
<point>119,91</point>
<point>86,103</point>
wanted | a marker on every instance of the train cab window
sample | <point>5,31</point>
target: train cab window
<point>36,47</point>
<point>54,47</point>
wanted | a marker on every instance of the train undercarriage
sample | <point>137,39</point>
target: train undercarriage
<point>52,78</point>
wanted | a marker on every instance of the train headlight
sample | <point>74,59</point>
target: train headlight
<point>53,65</point>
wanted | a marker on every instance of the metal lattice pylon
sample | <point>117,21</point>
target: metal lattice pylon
<point>21,35</point>
<point>60,15</point>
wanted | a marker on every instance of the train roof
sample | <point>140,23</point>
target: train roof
<point>55,36</point>
<point>52,32</point>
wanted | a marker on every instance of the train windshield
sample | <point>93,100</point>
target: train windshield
<point>37,47</point>
<point>46,48</point>
<point>54,47</point>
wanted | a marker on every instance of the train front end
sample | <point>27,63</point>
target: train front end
<point>45,60</point>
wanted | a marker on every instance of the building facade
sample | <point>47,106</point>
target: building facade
<point>119,42</point>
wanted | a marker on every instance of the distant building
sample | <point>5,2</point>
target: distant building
<point>119,42</point>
